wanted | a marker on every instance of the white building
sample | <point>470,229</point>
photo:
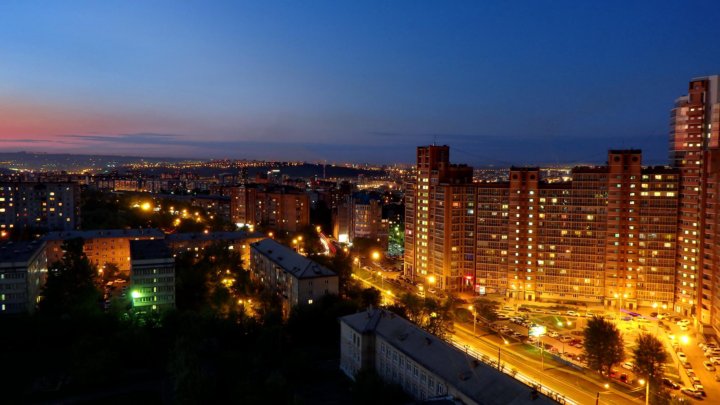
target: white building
<point>423,365</point>
<point>297,279</point>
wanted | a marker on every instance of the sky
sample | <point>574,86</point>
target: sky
<point>511,82</point>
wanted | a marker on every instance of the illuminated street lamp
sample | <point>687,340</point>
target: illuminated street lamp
<point>472,309</point>
<point>499,348</point>
<point>376,255</point>
<point>431,279</point>
<point>539,331</point>
<point>597,398</point>
<point>647,389</point>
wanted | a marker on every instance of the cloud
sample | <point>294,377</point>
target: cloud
<point>141,138</point>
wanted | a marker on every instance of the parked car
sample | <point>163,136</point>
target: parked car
<point>565,338</point>
<point>553,334</point>
<point>572,313</point>
<point>699,388</point>
<point>682,357</point>
<point>684,328</point>
<point>670,383</point>
<point>691,392</point>
<point>709,366</point>
<point>628,365</point>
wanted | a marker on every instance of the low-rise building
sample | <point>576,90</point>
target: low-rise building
<point>152,275</point>
<point>297,279</point>
<point>23,271</point>
<point>101,246</point>
<point>425,366</point>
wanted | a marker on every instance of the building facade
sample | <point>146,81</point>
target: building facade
<point>50,206</point>
<point>23,271</point>
<point>425,366</point>
<point>279,207</point>
<point>605,237</point>
<point>694,150</point>
<point>295,278</point>
<point>102,246</point>
<point>152,275</point>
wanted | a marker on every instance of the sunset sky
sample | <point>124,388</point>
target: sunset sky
<point>515,82</point>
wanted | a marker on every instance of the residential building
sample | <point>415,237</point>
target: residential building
<point>23,271</point>
<point>295,278</point>
<point>694,150</point>
<point>607,236</point>
<point>152,275</point>
<point>280,207</point>
<point>101,246</point>
<point>49,206</point>
<point>425,366</point>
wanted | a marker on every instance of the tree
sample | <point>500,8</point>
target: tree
<point>649,357</point>
<point>370,296</point>
<point>486,309</point>
<point>70,287</point>
<point>603,345</point>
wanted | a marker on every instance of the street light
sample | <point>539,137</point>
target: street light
<point>647,389</point>
<point>500,347</point>
<point>472,309</point>
<point>376,255</point>
<point>597,398</point>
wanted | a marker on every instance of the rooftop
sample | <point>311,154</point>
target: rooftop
<point>213,236</point>
<point>149,249</point>
<point>15,252</point>
<point>296,264</point>
<point>106,233</point>
<point>478,381</point>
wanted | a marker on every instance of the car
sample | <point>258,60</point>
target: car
<point>572,313</point>
<point>682,322</point>
<point>553,334</point>
<point>687,365</point>
<point>699,388</point>
<point>509,309</point>
<point>690,373</point>
<point>670,383</point>
<point>691,392</point>
<point>715,360</point>
<point>432,291</point>
<point>523,309</point>
<point>653,314</point>
<point>627,318</point>
<point>684,328</point>
<point>695,381</point>
<point>709,366</point>
<point>682,357</point>
<point>565,338</point>
<point>628,365</point>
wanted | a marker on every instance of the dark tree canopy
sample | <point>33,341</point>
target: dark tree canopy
<point>603,345</point>
<point>70,288</point>
<point>649,357</point>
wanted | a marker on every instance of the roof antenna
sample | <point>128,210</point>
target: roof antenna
<point>435,140</point>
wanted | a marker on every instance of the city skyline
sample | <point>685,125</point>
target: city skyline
<point>510,84</point>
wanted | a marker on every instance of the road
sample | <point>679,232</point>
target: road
<point>575,386</point>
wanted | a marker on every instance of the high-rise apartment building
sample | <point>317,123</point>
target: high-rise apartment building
<point>439,220</point>
<point>281,207</point>
<point>694,149</point>
<point>605,237</point>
